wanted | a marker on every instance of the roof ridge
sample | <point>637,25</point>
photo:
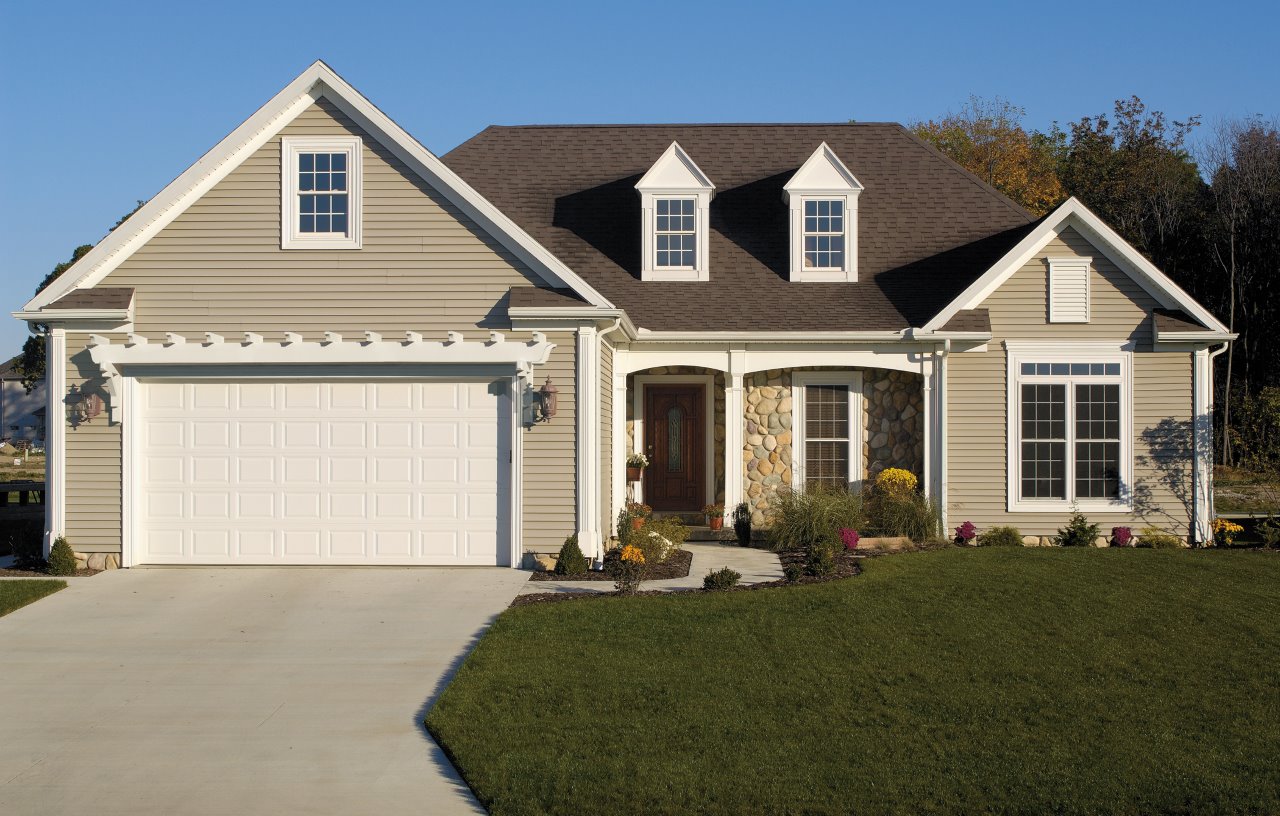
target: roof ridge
<point>688,125</point>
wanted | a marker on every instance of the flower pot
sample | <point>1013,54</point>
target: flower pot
<point>716,522</point>
<point>633,473</point>
<point>637,523</point>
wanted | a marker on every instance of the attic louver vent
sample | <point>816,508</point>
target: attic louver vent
<point>1069,290</point>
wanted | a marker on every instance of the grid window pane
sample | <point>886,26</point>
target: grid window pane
<point>824,234</point>
<point>322,193</point>
<point>1044,445</point>
<point>826,463</point>
<point>826,433</point>
<point>676,241</point>
<point>1097,449</point>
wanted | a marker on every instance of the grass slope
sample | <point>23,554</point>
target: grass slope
<point>955,681</point>
<point>17,594</point>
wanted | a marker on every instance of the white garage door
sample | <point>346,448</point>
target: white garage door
<point>323,473</point>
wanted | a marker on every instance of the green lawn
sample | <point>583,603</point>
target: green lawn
<point>17,594</point>
<point>953,681</point>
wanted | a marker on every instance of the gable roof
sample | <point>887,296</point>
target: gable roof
<point>926,227</point>
<point>316,82</point>
<point>1073,213</point>
<point>675,170</point>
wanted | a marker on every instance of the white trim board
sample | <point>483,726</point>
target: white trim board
<point>316,82</point>
<point>708,381</point>
<point>1072,213</point>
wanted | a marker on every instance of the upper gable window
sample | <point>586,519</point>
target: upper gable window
<point>675,201</point>
<point>320,199</point>
<point>823,196</point>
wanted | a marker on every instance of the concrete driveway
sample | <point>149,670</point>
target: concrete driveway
<point>238,691</point>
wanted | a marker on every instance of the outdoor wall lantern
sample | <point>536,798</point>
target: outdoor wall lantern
<point>547,399</point>
<point>81,407</point>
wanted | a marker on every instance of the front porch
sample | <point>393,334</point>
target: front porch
<point>714,436</point>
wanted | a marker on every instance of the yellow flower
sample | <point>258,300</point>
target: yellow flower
<point>633,554</point>
<point>896,480</point>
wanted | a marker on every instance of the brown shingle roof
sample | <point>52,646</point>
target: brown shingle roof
<point>103,297</point>
<point>1176,321</point>
<point>926,227</point>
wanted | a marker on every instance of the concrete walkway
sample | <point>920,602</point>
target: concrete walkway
<point>238,691</point>
<point>756,566</point>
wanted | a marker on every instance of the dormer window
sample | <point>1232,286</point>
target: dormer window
<point>823,196</point>
<point>320,199</point>
<point>675,199</point>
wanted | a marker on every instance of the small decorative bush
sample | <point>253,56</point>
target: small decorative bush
<point>912,515</point>
<point>62,561</point>
<point>713,510</point>
<point>1154,537</point>
<point>814,515</point>
<point>792,573</point>
<point>819,560</point>
<point>1000,537</point>
<point>624,526</point>
<point>571,561</point>
<point>1225,532</point>
<point>896,480</point>
<point>1269,530</point>
<point>966,533</point>
<point>742,524</point>
<point>659,538</point>
<point>638,460</point>
<point>1121,537</point>
<point>1078,532</point>
<point>721,579</point>
<point>638,510</point>
<point>849,538</point>
<point>627,570</point>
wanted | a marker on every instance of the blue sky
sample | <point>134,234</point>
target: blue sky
<point>104,103</point>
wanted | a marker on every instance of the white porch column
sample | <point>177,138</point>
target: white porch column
<point>932,450</point>
<point>620,450</point>
<point>55,443</point>
<point>940,435</point>
<point>1202,445</point>
<point>587,391</point>
<point>734,429</point>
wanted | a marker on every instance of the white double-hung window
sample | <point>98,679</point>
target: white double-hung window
<point>676,233</point>
<point>675,202</point>
<point>320,195</point>
<point>827,429</point>
<point>1070,426</point>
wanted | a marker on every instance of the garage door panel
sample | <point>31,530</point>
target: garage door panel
<point>314,472</point>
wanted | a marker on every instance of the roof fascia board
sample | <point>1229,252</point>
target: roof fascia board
<point>66,315</point>
<point>1073,213</point>
<point>317,81</point>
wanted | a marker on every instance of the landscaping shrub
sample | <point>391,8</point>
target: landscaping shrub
<point>659,538</point>
<point>62,561</point>
<point>624,526</point>
<point>896,480</point>
<point>24,538</point>
<point>966,533</point>
<point>571,561</point>
<point>792,573</point>
<point>721,579</point>
<point>1269,530</point>
<point>1078,532</point>
<point>819,560</point>
<point>1225,532</point>
<point>627,570</point>
<point>815,514</point>
<point>1158,539</point>
<point>742,524</point>
<point>849,538</point>
<point>1000,537</point>
<point>1121,537</point>
<point>911,515</point>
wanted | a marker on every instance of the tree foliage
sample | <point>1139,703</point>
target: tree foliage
<point>987,138</point>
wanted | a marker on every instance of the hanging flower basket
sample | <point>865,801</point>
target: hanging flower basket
<point>636,463</point>
<point>634,474</point>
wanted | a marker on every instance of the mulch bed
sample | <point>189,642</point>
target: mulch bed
<point>677,566</point>
<point>9,572</point>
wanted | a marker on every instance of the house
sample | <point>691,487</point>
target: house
<point>21,411</point>
<point>322,344</point>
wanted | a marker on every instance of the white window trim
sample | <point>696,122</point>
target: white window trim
<point>847,273</point>
<point>799,381</point>
<point>650,270</point>
<point>1080,352</point>
<point>290,148</point>
<point>1088,286</point>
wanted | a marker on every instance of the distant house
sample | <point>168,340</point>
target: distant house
<point>21,413</point>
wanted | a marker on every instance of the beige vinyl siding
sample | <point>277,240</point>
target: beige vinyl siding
<point>550,495</point>
<point>93,463</point>
<point>977,396</point>
<point>424,266</point>
<point>606,438</point>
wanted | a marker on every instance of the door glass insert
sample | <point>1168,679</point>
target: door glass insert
<point>675,431</point>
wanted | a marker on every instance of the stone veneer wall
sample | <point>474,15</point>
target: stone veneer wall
<point>892,419</point>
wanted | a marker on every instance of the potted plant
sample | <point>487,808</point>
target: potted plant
<point>639,514</point>
<point>715,515</point>
<point>636,463</point>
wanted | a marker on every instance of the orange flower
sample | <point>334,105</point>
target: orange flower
<point>632,554</point>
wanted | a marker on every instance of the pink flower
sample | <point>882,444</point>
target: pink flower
<point>966,532</point>
<point>849,538</point>
<point>1122,536</point>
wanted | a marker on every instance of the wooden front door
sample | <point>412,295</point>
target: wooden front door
<point>675,441</point>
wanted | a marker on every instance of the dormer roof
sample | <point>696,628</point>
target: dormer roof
<point>675,170</point>
<point>823,172</point>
